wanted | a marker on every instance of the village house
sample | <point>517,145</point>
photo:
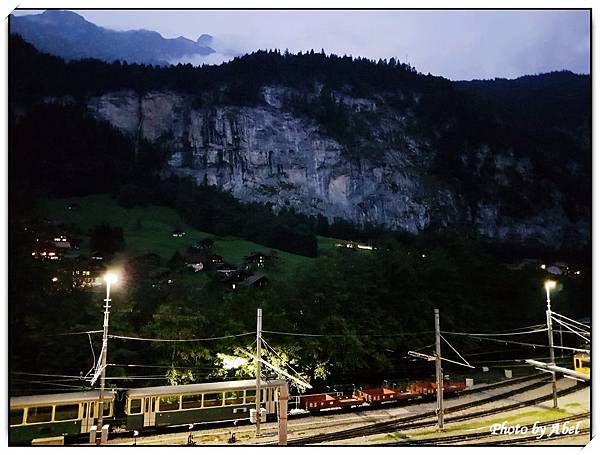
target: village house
<point>257,259</point>
<point>44,250</point>
<point>88,274</point>
<point>257,280</point>
<point>216,259</point>
<point>178,233</point>
<point>233,279</point>
<point>226,269</point>
<point>355,246</point>
<point>62,242</point>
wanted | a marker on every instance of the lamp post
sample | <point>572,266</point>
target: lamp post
<point>548,285</point>
<point>109,278</point>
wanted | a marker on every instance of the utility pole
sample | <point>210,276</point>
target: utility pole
<point>109,278</point>
<point>258,357</point>
<point>550,285</point>
<point>439,377</point>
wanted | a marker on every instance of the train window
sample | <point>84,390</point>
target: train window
<point>577,364</point>
<point>191,401</point>
<point>92,408</point>
<point>66,412</point>
<point>236,397</point>
<point>16,416</point>
<point>84,410</point>
<point>147,404</point>
<point>135,406</point>
<point>107,408</point>
<point>585,364</point>
<point>250,396</point>
<point>170,403</point>
<point>213,399</point>
<point>41,414</point>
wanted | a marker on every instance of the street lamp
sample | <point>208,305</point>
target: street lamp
<point>109,278</point>
<point>548,285</point>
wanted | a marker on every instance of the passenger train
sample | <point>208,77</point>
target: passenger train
<point>44,416</point>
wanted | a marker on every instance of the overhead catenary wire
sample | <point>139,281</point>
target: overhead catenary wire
<point>339,335</point>
<point>175,340</point>
<point>569,327</point>
<point>452,347</point>
<point>51,335</point>
<point>533,345</point>
<point>497,333</point>
<point>280,358</point>
<point>554,313</point>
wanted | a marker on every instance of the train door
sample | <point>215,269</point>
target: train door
<point>150,411</point>
<point>88,415</point>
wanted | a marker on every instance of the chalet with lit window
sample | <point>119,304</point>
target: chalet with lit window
<point>178,233</point>
<point>88,274</point>
<point>226,269</point>
<point>216,259</point>
<point>234,279</point>
<point>62,242</point>
<point>46,251</point>
<point>257,259</point>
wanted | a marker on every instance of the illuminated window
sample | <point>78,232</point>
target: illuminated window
<point>169,403</point>
<point>236,397</point>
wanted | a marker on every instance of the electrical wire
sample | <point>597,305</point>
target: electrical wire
<point>571,320</point>
<point>48,335</point>
<point>168,340</point>
<point>533,345</point>
<point>457,353</point>
<point>393,335</point>
<point>496,334</point>
<point>280,358</point>
<point>569,328</point>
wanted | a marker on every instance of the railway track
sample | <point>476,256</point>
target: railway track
<point>442,440</point>
<point>424,419</point>
<point>119,435</point>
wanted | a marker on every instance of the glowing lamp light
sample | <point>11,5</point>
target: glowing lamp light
<point>550,284</point>
<point>111,278</point>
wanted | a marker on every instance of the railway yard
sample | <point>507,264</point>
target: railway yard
<point>469,419</point>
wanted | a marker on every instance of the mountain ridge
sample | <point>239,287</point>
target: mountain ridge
<point>68,35</point>
<point>369,142</point>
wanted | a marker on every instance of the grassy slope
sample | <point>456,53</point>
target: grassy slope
<point>155,233</point>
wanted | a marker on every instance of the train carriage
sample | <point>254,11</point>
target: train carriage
<point>42,416</point>
<point>197,403</point>
<point>581,363</point>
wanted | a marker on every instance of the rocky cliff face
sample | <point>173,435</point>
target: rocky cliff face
<point>267,154</point>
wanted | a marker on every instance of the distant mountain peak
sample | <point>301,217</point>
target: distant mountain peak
<point>69,35</point>
<point>205,40</point>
